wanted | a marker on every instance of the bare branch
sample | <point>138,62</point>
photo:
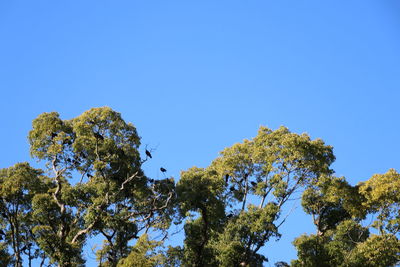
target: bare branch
<point>83,232</point>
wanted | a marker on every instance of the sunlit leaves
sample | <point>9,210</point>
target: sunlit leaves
<point>229,210</point>
<point>234,205</point>
<point>111,196</point>
<point>382,192</point>
<point>337,209</point>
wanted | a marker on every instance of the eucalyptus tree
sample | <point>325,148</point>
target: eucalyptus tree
<point>382,193</point>
<point>234,206</point>
<point>93,185</point>
<point>111,195</point>
<point>18,186</point>
<point>336,209</point>
<point>344,236</point>
<point>382,196</point>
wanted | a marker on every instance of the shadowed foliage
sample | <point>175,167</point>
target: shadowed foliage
<point>92,185</point>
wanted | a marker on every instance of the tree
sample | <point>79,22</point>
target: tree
<point>338,209</point>
<point>93,185</point>
<point>382,199</point>
<point>113,197</point>
<point>223,227</point>
<point>19,184</point>
<point>143,254</point>
<point>331,200</point>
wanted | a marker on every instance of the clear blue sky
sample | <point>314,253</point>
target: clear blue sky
<point>197,76</point>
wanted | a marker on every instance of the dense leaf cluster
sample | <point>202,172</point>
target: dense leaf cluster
<point>356,225</point>
<point>93,186</point>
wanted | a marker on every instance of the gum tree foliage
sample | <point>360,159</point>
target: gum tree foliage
<point>93,185</point>
<point>18,186</point>
<point>339,213</point>
<point>234,206</point>
<point>111,196</point>
<point>382,193</point>
<point>143,254</point>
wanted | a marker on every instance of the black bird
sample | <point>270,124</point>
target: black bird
<point>148,154</point>
<point>89,175</point>
<point>98,136</point>
<point>253,183</point>
<point>226,178</point>
<point>68,160</point>
<point>151,180</point>
<point>162,169</point>
<point>232,188</point>
<point>68,142</point>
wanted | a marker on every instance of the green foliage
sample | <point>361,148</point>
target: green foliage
<point>224,226</point>
<point>383,198</point>
<point>254,227</point>
<point>19,184</point>
<point>112,197</point>
<point>331,249</point>
<point>173,256</point>
<point>337,209</point>
<point>377,251</point>
<point>95,186</point>
<point>5,257</point>
<point>331,200</point>
<point>143,254</point>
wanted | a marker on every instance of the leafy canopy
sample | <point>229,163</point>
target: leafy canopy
<point>93,185</point>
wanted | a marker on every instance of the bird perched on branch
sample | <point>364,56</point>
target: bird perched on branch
<point>226,178</point>
<point>148,154</point>
<point>98,136</point>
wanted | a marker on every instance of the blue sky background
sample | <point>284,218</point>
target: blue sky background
<point>197,76</point>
